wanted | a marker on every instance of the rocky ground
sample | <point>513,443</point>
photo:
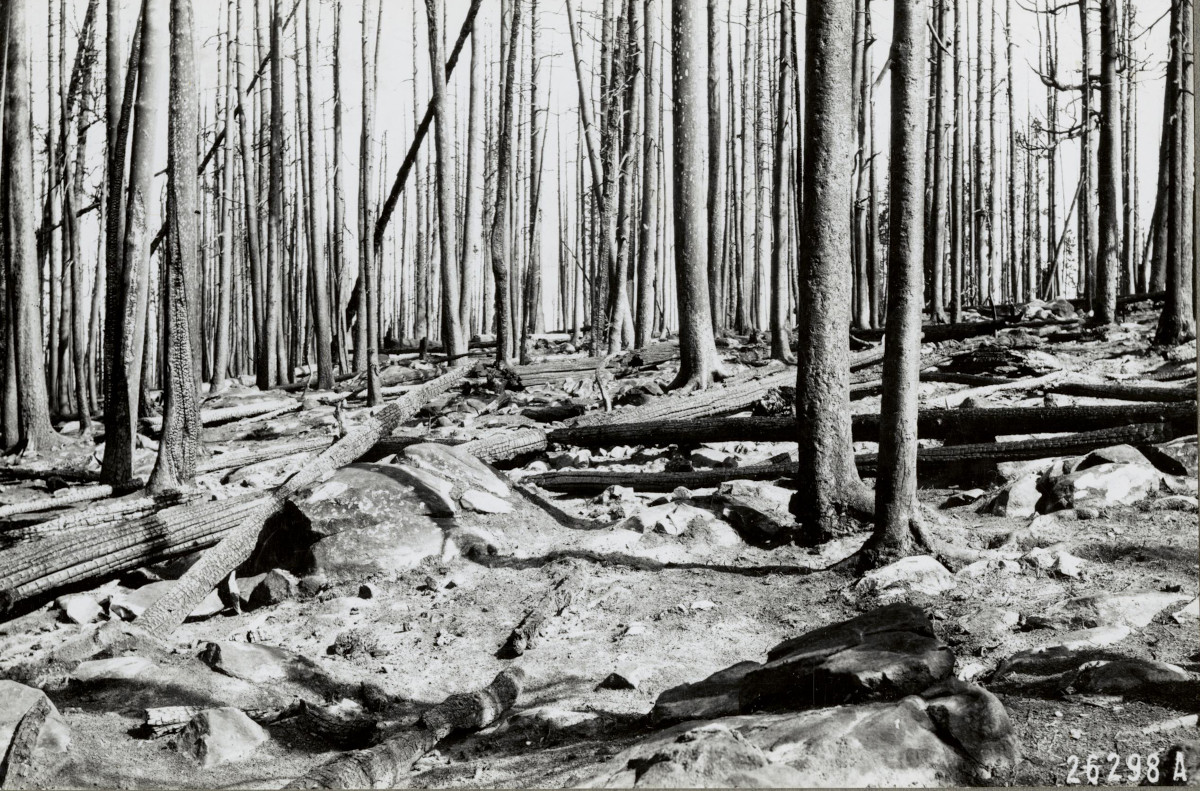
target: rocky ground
<point>665,638</point>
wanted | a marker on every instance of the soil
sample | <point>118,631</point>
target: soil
<point>676,606</point>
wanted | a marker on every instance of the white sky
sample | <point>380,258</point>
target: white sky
<point>394,119</point>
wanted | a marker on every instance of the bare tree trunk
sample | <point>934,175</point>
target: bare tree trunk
<point>368,295</point>
<point>342,269</point>
<point>36,434</point>
<point>827,480</point>
<point>630,120</point>
<point>500,221</point>
<point>958,196</point>
<point>717,186</point>
<point>689,66</point>
<point>1087,203</point>
<point>648,227</point>
<point>1108,264</point>
<point>135,281</point>
<point>896,483</point>
<point>180,440</point>
<point>452,335</point>
<point>780,290</point>
<point>942,164</point>
<point>268,369</point>
<point>472,244</point>
<point>223,329</point>
<point>1177,322</point>
<point>316,206</point>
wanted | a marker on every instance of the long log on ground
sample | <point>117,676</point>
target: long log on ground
<point>1029,383</point>
<point>247,456</point>
<point>39,474</point>
<point>928,460</point>
<point>540,373</point>
<point>938,333</point>
<point>65,497</point>
<point>163,720</point>
<point>962,424</point>
<point>306,383</point>
<point>549,605</point>
<point>170,611</point>
<point>20,769</point>
<point>1123,392</point>
<point>228,414</point>
<point>386,764</point>
<point>92,518</point>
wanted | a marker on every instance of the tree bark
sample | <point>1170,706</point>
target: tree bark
<point>780,287</point>
<point>500,217</point>
<point>176,464</point>
<point>472,243</point>
<point>1108,262</point>
<point>689,71</point>
<point>648,227</point>
<point>827,478</point>
<point>316,206</point>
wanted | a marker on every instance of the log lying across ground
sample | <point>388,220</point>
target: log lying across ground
<point>938,333</point>
<point>553,601</point>
<point>228,414</point>
<point>388,763</point>
<point>1124,392</point>
<point>170,611</point>
<point>267,452</point>
<point>541,373</point>
<point>964,424</point>
<point>582,482</point>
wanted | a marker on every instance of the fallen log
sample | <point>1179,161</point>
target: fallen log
<point>541,373</point>
<point>507,444</point>
<point>939,333</point>
<point>551,604</point>
<point>39,474</point>
<point>93,518</point>
<point>228,414</point>
<point>65,497</point>
<point>386,764</point>
<point>246,457</point>
<point>19,769</point>
<point>931,424</point>
<point>954,399</point>
<point>165,720</point>
<point>1123,392</point>
<point>928,460</point>
<point>168,612</point>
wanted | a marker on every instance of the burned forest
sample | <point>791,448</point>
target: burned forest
<point>598,393</point>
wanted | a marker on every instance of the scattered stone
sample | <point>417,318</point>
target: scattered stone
<point>1054,558</point>
<point>368,591</point>
<point>990,625</point>
<point>1018,498</point>
<point>433,489</point>
<point>1135,610</point>
<point>1084,513</point>
<point>719,695</point>
<point>129,604</point>
<point>1177,457</point>
<point>757,510</point>
<point>959,499</point>
<point>1190,612</point>
<point>1103,485</point>
<point>626,676</point>
<point>553,722</point>
<point>708,457</point>
<point>454,464</point>
<point>915,574</point>
<point>952,734</point>
<point>1177,502</point>
<point>275,587</point>
<point>352,642</point>
<point>484,502</point>
<point>1116,454</point>
<point>580,458</point>
<point>255,662</point>
<point>312,584</point>
<point>34,738</point>
<point>617,494</point>
<point>79,608</point>
<point>220,736</point>
<point>121,668</point>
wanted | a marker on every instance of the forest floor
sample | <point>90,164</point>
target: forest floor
<point>658,608</point>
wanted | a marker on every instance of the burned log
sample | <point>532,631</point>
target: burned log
<point>1123,392</point>
<point>551,604</point>
<point>386,764</point>
<point>169,611</point>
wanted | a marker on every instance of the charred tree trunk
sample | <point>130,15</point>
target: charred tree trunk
<point>827,477</point>
<point>648,227</point>
<point>689,72</point>
<point>1108,262</point>
<point>780,288</point>
<point>316,206</point>
<point>500,218</point>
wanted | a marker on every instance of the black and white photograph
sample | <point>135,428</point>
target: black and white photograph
<point>598,394</point>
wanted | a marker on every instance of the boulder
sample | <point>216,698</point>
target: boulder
<point>989,625</point>
<point>915,574</point>
<point>116,669</point>
<point>554,722</point>
<point>952,734</point>
<point>1134,610</point>
<point>368,519</point>
<point>46,737</point>
<point>716,696</point>
<point>256,662</point>
<point>484,502</point>
<point>1018,498</point>
<point>1104,485</point>
<point>434,490</point>
<point>1177,502</point>
<point>757,510</point>
<point>79,608</point>
<point>220,736</point>
<point>959,499</point>
<point>455,464</point>
<point>275,587</point>
<point>708,457</point>
<point>1177,457</point>
<point>626,676</point>
<point>1116,454</point>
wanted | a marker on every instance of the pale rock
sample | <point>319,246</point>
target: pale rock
<point>708,457</point>
<point>552,722</point>
<point>1177,502</point>
<point>1105,485</point>
<point>918,574</point>
<point>1135,610</point>
<point>484,502</point>
<point>276,586</point>
<point>220,736</point>
<point>1189,612</point>
<point>51,747</point>
<point>128,605</point>
<point>626,676</point>
<point>121,668</point>
<point>453,463</point>
<point>255,662</point>
<point>1018,498</point>
<point>959,499</point>
<point>435,490</point>
<point>79,608</point>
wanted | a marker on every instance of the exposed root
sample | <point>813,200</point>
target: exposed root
<point>687,382</point>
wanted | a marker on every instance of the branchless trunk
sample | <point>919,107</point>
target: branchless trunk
<point>500,219</point>
<point>717,182</point>
<point>268,370</point>
<point>180,440</point>
<point>689,71</point>
<point>222,341</point>
<point>827,477</point>
<point>648,227</point>
<point>135,278</point>
<point>1108,262</point>
<point>452,334</point>
<point>35,433</point>
<point>896,481</point>
<point>958,195</point>
<point>368,297</point>
<point>941,164</point>
<point>316,205</point>
<point>780,287</point>
<point>472,243</point>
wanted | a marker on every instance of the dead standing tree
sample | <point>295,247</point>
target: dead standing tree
<point>828,481</point>
<point>180,441</point>
<point>699,365</point>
